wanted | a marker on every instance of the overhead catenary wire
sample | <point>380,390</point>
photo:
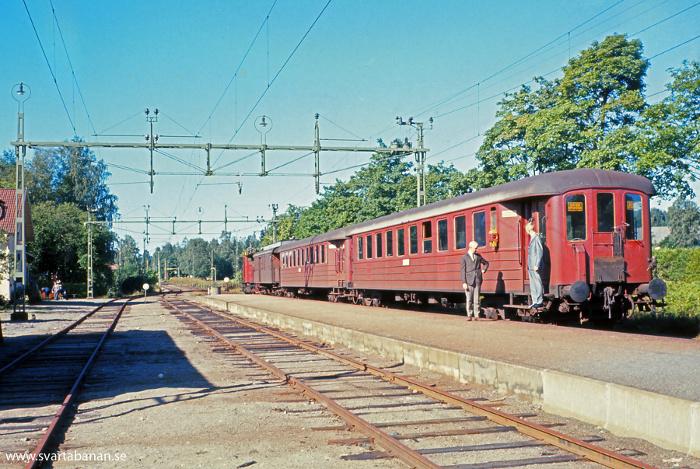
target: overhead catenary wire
<point>238,68</point>
<point>48,64</point>
<point>276,75</point>
<point>72,69</point>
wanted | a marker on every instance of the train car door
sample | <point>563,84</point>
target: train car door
<point>535,210</point>
<point>339,258</point>
<point>275,266</point>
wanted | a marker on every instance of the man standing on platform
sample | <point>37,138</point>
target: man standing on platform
<point>535,253</point>
<point>473,268</point>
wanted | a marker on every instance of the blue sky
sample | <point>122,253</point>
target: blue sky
<point>363,63</point>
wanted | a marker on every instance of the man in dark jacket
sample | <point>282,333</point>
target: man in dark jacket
<point>472,270</point>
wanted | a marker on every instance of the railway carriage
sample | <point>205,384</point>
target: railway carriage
<point>594,223</point>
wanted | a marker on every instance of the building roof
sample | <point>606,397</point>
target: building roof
<point>535,186</point>
<point>7,214</point>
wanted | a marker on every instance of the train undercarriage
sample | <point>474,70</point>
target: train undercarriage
<point>606,303</point>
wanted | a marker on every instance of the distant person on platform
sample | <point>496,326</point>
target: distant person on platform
<point>535,253</point>
<point>473,269</point>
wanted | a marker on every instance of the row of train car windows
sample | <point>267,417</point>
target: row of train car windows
<point>605,211</point>
<point>308,255</point>
<point>373,245</point>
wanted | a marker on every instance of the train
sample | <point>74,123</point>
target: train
<point>594,224</point>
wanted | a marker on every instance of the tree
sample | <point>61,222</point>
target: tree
<point>658,217</point>
<point>59,246</point>
<point>595,116</point>
<point>684,221</point>
<point>72,175</point>
<point>668,136</point>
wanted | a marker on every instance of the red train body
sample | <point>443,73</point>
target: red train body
<point>595,225</point>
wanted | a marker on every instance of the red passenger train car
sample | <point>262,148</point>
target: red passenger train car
<point>595,225</point>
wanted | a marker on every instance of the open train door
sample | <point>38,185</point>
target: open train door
<point>534,209</point>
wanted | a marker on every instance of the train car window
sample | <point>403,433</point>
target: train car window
<point>316,261</point>
<point>606,212</point>
<point>427,237</point>
<point>493,219</point>
<point>401,241</point>
<point>380,247</point>
<point>442,235</point>
<point>360,250</point>
<point>370,250</point>
<point>575,217</point>
<point>323,253</point>
<point>460,232</point>
<point>480,228</point>
<point>633,216</point>
<point>413,239</point>
<point>390,243</point>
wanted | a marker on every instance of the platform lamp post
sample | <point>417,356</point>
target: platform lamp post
<point>18,280</point>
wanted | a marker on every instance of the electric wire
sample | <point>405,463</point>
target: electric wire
<point>290,162</point>
<point>179,160</point>
<point>666,19</point>
<point>276,75</point>
<point>341,127</point>
<point>118,123</point>
<point>72,69</point>
<point>48,64</point>
<point>238,68</point>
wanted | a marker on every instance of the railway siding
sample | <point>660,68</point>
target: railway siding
<point>668,421</point>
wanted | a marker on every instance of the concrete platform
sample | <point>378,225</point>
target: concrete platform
<point>632,385</point>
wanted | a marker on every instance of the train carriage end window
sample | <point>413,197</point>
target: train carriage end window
<point>575,217</point>
<point>460,232</point>
<point>401,241</point>
<point>442,235</point>
<point>480,228</point>
<point>370,250</point>
<point>633,216</point>
<point>493,219</point>
<point>360,250</point>
<point>390,243</point>
<point>606,212</point>
<point>413,239</point>
<point>380,248</point>
<point>427,237</point>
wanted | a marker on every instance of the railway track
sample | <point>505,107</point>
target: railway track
<point>401,417</point>
<point>39,387</point>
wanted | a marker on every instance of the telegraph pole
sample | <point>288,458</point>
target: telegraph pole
<point>18,283</point>
<point>90,273</point>
<point>317,156</point>
<point>146,238</point>
<point>419,154</point>
<point>274,208</point>
<point>151,139</point>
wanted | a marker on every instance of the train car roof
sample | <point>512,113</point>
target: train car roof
<point>535,186</point>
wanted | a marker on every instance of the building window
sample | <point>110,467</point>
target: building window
<point>442,235</point>
<point>633,216</point>
<point>606,212</point>
<point>380,247</point>
<point>360,250</point>
<point>401,241</point>
<point>389,243</point>
<point>413,239</point>
<point>479,219</point>
<point>575,217</point>
<point>369,247</point>
<point>460,232</point>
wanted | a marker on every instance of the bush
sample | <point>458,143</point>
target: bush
<point>135,283</point>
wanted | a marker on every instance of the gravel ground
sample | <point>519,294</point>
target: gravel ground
<point>634,360</point>
<point>159,397</point>
<point>44,319</point>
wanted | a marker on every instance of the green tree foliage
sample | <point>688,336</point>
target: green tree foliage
<point>59,246</point>
<point>386,185</point>
<point>684,222</point>
<point>595,116</point>
<point>659,217</point>
<point>72,175</point>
